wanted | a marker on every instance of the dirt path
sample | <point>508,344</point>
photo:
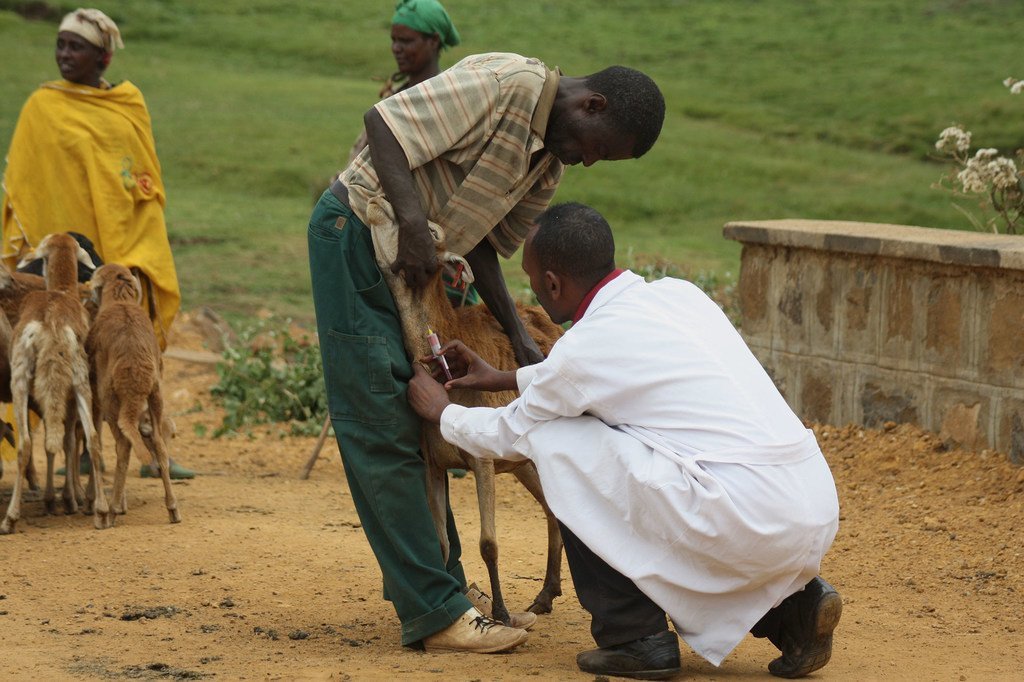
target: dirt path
<point>270,577</point>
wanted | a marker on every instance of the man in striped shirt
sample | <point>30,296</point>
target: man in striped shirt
<point>479,150</point>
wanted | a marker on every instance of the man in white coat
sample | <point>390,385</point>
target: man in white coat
<point>683,481</point>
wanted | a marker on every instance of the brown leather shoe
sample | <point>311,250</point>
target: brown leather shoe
<point>523,620</point>
<point>655,657</point>
<point>475,633</point>
<point>807,620</point>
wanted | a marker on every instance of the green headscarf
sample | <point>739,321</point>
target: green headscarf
<point>427,16</point>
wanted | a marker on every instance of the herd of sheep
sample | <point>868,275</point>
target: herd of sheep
<point>74,354</point>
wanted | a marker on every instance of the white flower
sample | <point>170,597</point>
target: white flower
<point>1009,81</point>
<point>1003,172</point>
<point>1017,88</point>
<point>985,155</point>
<point>971,179</point>
<point>954,138</point>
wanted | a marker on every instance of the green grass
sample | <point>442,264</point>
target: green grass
<point>780,109</point>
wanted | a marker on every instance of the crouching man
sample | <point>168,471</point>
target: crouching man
<point>683,482</point>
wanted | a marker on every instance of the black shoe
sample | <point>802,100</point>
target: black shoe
<point>655,657</point>
<point>805,630</point>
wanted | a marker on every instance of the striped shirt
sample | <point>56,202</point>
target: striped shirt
<point>474,138</point>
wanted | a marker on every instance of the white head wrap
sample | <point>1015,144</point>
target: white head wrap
<point>94,26</point>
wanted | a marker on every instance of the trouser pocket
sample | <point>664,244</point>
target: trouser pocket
<point>360,386</point>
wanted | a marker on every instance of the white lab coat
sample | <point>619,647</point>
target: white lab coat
<point>664,446</point>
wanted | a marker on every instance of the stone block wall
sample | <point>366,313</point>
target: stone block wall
<point>866,323</point>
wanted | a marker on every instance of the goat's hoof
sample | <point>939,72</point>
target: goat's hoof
<point>174,515</point>
<point>50,506</point>
<point>7,525</point>
<point>70,507</point>
<point>103,520</point>
<point>543,603</point>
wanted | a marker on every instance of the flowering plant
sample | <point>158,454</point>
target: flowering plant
<point>996,179</point>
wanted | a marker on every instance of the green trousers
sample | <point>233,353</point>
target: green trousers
<point>367,375</point>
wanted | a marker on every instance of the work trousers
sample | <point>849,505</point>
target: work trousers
<point>619,611</point>
<point>367,374</point>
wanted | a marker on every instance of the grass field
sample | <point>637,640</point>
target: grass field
<point>776,109</point>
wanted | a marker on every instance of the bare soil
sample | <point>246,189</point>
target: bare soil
<point>270,577</point>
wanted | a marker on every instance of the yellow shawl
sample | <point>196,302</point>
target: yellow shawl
<point>82,159</point>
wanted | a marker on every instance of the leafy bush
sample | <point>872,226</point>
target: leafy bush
<point>270,376</point>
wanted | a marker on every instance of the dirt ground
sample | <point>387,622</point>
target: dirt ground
<point>270,577</point>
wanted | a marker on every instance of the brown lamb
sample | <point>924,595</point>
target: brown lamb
<point>49,366</point>
<point>14,286</point>
<point>477,328</point>
<point>125,371</point>
<point>474,325</point>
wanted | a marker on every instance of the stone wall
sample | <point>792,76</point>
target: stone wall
<point>867,323</point>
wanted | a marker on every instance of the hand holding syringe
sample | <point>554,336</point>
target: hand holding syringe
<point>435,348</point>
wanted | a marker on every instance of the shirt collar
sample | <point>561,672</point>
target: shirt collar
<point>585,303</point>
<point>539,124</point>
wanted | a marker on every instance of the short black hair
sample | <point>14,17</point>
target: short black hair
<point>576,241</point>
<point>635,104</point>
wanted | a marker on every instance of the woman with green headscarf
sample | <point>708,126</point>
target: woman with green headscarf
<point>420,29</point>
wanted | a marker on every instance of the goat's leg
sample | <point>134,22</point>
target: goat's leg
<point>31,478</point>
<point>79,449</point>
<point>128,425</point>
<point>51,445</point>
<point>72,473</point>
<point>7,526</point>
<point>123,449</point>
<point>95,476</point>
<point>170,500</point>
<point>437,500</point>
<point>103,517</point>
<point>542,603</point>
<point>483,471</point>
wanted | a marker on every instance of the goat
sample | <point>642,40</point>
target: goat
<point>125,369</point>
<point>429,307</point>
<point>48,363</point>
<point>14,287</point>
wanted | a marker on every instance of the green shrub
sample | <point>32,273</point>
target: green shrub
<point>270,376</point>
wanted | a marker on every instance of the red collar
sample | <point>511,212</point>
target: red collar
<point>585,303</point>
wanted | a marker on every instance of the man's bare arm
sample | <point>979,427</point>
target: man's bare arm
<point>417,256</point>
<point>491,284</point>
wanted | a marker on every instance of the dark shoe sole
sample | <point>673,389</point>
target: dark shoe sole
<point>826,616</point>
<point>662,674</point>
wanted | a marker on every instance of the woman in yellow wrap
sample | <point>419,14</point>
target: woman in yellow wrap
<point>83,159</point>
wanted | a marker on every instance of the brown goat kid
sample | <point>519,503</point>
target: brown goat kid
<point>125,371</point>
<point>477,328</point>
<point>14,287</point>
<point>48,364</point>
<point>429,308</point>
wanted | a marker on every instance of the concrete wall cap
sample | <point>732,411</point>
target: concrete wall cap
<point>907,242</point>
